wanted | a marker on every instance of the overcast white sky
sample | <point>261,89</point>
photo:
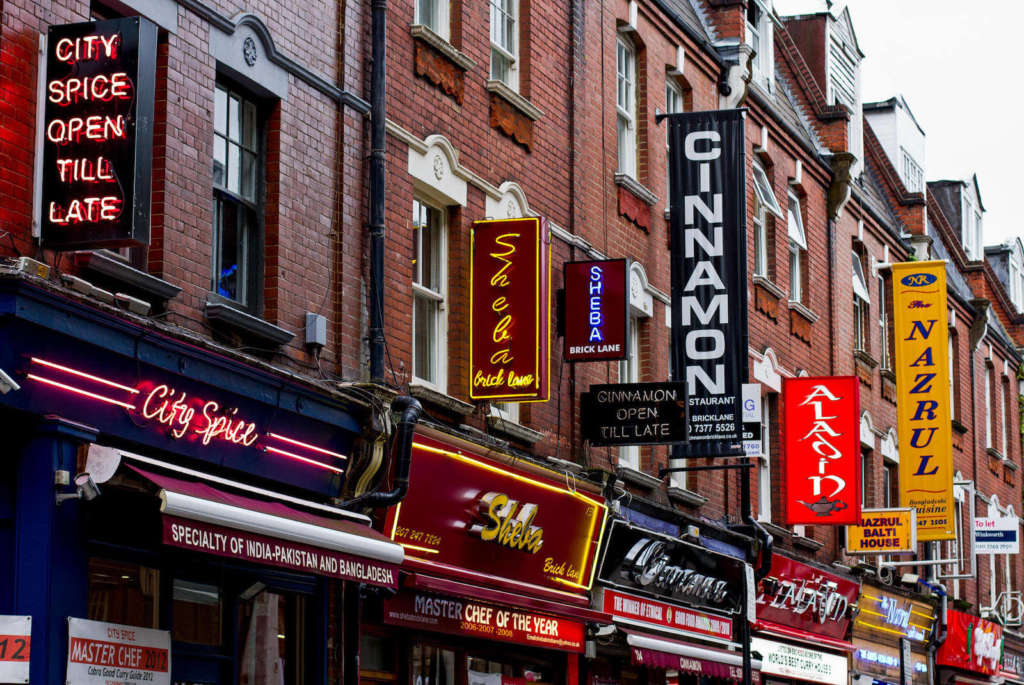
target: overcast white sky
<point>957,64</point>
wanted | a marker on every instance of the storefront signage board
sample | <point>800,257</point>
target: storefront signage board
<point>972,643</point>
<point>15,648</point>
<point>920,322</point>
<point>477,519</point>
<point>997,535</point>
<point>885,616</point>
<point>807,598</point>
<point>790,661</point>
<point>1012,665</point>
<point>707,205</point>
<point>596,310</point>
<point>883,531</point>
<point>634,414</point>
<point>640,561</point>
<point>821,449</point>
<point>98,134</point>
<point>882,662</point>
<point>100,653</point>
<point>261,549</point>
<point>657,615</point>
<point>509,310</point>
<point>467,618</point>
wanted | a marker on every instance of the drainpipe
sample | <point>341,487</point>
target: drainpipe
<point>409,409</point>
<point>378,76</point>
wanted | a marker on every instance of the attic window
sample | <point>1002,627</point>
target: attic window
<point>759,37</point>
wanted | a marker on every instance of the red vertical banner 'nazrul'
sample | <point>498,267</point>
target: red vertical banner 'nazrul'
<point>821,450</point>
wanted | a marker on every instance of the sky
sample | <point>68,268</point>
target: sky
<point>956,62</point>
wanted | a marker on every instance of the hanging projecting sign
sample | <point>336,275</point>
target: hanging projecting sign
<point>15,648</point>
<point>509,310</point>
<point>634,414</point>
<point>709,272</point>
<point>972,643</point>
<point>821,448</point>
<point>98,134</point>
<point>596,310</point>
<point>997,535</point>
<point>920,322</point>
<point>101,652</point>
<point>888,531</point>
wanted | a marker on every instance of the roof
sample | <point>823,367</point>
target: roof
<point>892,103</point>
<point>691,16</point>
<point>955,280</point>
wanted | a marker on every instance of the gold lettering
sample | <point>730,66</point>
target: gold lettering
<point>506,526</point>
<point>499,279</point>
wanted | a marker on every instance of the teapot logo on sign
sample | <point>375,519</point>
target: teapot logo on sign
<point>815,598</point>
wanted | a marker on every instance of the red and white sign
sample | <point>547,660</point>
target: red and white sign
<point>663,615</point>
<point>15,648</point>
<point>101,653</point>
<point>972,643</point>
<point>596,310</point>
<point>467,618</point>
<point>260,549</point>
<point>821,450</point>
<point>800,596</point>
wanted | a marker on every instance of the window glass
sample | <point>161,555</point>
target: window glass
<point>122,592</point>
<point>796,223</point>
<point>504,49</point>
<point>626,106</point>
<point>860,285</point>
<point>796,289</point>
<point>485,671</point>
<point>196,613</point>
<point>271,629</point>
<point>428,293</point>
<point>764,192</point>
<point>432,665</point>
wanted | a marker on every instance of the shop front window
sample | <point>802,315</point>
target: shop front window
<point>271,629</point>
<point>124,593</point>
<point>432,665</point>
<point>197,613</point>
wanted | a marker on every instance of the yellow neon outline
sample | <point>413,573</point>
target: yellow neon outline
<point>930,617</point>
<point>888,630</point>
<point>420,549</point>
<point>600,511</point>
<point>485,576</point>
<point>873,613</point>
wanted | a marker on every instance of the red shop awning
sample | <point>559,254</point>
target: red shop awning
<point>444,586</point>
<point>659,652</point>
<point>788,633</point>
<point>202,518</point>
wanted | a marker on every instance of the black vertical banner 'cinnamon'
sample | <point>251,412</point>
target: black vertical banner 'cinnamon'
<point>709,294</point>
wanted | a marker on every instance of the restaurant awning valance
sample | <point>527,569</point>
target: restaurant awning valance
<point>657,652</point>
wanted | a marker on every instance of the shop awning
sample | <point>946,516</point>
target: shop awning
<point>421,581</point>
<point>779,630</point>
<point>202,518</point>
<point>658,652</point>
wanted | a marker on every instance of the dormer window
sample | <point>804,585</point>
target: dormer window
<point>913,176</point>
<point>1016,281</point>
<point>759,37</point>
<point>971,229</point>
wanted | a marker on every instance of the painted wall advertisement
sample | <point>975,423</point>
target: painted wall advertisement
<point>596,310</point>
<point>98,134</point>
<point>101,652</point>
<point>509,310</point>
<point>15,648</point>
<point>920,321</point>
<point>821,445</point>
<point>709,267</point>
<point>997,535</point>
<point>972,643</point>
<point>888,531</point>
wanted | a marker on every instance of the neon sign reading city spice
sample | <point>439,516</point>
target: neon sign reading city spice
<point>98,133</point>
<point>508,310</point>
<point>182,415</point>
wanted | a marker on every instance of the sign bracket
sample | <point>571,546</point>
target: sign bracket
<point>713,467</point>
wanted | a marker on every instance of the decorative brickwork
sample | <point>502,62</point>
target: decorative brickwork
<point>439,70</point>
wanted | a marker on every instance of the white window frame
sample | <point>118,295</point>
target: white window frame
<point>951,369</point>
<point>797,246</point>
<point>764,470</point>
<point>913,175</point>
<point>861,305</point>
<point>629,372</point>
<point>625,105</point>
<point>967,227</point>
<point>674,104</point>
<point>883,326</point>
<point>988,405</point>
<point>434,14</point>
<point>439,353</point>
<point>1003,433</point>
<point>509,52</point>
<point>764,201</point>
<point>761,39</point>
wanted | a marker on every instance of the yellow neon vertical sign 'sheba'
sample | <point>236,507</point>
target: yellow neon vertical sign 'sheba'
<point>921,323</point>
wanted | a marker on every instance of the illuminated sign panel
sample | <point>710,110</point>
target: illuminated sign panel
<point>804,597</point>
<point>821,438</point>
<point>98,134</point>
<point>920,321</point>
<point>886,616</point>
<point>888,531</point>
<point>596,310</point>
<point>509,341</point>
<point>474,518</point>
<point>972,643</point>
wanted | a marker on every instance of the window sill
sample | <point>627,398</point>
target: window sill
<point>887,374</point>
<point>684,496</point>
<point>636,188</point>
<point>440,399</point>
<point>777,531</point>
<point>865,359</point>
<point>515,99</point>
<point>514,429</point>
<point>958,427</point>
<point>231,315</point>
<point>435,41</point>
<point>637,478</point>
<point>803,311</point>
<point>995,454</point>
<point>768,285</point>
<point>1012,465</point>
<point>111,266</point>
<point>809,544</point>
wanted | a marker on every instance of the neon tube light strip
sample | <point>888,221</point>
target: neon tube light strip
<point>79,391</point>
<point>307,446</point>
<point>314,462</point>
<point>420,549</point>
<point>82,374</point>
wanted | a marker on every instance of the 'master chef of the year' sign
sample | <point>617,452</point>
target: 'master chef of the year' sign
<point>474,518</point>
<point>709,275</point>
<point>509,310</point>
<point>469,618</point>
<point>634,414</point>
<point>648,563</point>
<point>98,134</point>
<point>596,310</point>
<point>821,439</point>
